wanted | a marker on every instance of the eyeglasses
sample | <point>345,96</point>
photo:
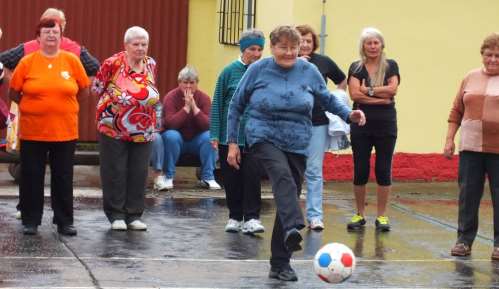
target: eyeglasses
<point>491,55</point>
<point>292,49</point>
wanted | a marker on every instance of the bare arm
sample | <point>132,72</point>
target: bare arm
<point>450,147</point>
<point>387,91</point>
<point>15,96</point>
<point>358,93</point>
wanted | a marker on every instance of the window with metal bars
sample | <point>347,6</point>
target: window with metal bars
<point>234,17</point>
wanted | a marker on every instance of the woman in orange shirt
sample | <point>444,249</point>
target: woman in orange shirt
<point>45,84</point>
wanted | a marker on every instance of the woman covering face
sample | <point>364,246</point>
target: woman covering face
<point>277,95</point>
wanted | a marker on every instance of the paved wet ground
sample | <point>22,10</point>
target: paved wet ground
<point>185,246</point>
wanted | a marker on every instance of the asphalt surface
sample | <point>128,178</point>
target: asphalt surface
<point>185,246</point>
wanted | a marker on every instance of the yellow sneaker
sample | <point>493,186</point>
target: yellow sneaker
<point>382,224</point>
<point>357,222</point>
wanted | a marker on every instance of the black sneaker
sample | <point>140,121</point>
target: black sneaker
<point>284,273</point>
<point>66,230</point>
<point>30,230</point>
<point>292,240</point>
<point>356,223</point>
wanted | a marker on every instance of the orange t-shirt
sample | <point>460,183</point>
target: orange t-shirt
<point>48,107</point>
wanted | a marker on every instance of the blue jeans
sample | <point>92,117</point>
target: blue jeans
<point>313,173</point>
<point>175,145</point>
<point>158,152</point>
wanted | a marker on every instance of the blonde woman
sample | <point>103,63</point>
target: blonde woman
<point>372,82</point>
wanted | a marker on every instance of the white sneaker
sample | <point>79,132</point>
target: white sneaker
<point>18,215</point>
<point>210,184</point>
<point>162,183</point>
<point>119,225</point>
<point>137,225</point>
<point>233,226</point>
<point>316,225</point>
<point>253,226</point>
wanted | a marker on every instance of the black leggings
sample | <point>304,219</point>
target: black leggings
<point>362,146</point>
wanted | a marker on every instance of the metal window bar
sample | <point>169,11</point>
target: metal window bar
<point>234,17</point>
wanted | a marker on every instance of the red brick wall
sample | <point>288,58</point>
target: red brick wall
<point>406,167</point>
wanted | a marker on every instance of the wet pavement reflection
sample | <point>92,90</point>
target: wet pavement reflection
<point>185,246</point>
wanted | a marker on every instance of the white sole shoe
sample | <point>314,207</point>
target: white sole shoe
<point>137,225</point>
<point>119,225</point>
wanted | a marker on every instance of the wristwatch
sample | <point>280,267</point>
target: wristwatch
<point>370,91</point>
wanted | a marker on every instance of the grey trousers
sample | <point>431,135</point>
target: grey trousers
<point>123,171</point>
<point>473,167</point>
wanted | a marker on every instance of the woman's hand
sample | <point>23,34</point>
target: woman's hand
<point>214,144</point>
<point>305,57</point>
<point>358,117</point>
<point>234,155</point>
<point>363,88</point>
<point>449,148</point>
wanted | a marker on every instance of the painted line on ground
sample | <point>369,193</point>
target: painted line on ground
<point>439,260</point>
<point>437,222</point>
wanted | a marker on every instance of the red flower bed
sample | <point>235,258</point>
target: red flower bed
<point>406,167</point>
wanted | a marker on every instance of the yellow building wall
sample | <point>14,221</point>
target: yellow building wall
<point>434,42</point>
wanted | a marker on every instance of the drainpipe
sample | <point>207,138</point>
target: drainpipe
<point>323,34</point>
<point>249,22</point>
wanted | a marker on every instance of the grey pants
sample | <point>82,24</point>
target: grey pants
<point>123,171</point>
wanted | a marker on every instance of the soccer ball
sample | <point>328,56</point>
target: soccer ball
<point>334,263</point>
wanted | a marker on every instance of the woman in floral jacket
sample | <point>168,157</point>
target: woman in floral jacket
<point>126,118</point>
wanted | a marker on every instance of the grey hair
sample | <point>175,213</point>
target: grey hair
<point>55,13</point>
<point>188,73</point>
<point>135,32</point>
<point>379,76</point>
<point>251,33</point>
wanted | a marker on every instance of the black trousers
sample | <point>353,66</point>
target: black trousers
<point>362,146</point>
<point>473,167</point>
<point>285,171</point>
<point>123,171</point>
<point>33,156</point>
<point>242,187</point>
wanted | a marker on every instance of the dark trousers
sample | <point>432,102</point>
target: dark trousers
<point>123,171</point>
<point>33,158</point>
<point>362,146</point>
<point>285,171</point>
<point>242,187</point>
<point>473,166</point>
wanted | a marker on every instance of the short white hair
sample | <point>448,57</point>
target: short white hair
<point>188,73</point>
<point>135,32</point>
